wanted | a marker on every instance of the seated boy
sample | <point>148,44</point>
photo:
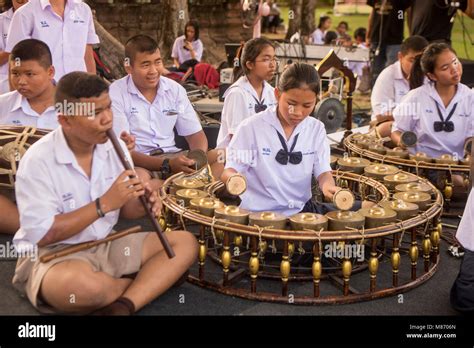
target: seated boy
<point>32,75</point>
<point>71,188</point>
<point>393,84</point>
<point>149,107</point>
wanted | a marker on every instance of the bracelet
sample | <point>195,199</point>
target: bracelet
<point>98,208</point>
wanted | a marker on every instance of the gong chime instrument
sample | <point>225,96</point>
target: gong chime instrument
<point>245,239</point>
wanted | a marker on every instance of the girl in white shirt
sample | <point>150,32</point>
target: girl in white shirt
<point>280,149</point>
<point>441,112</point>
<point>189,46</point>
<point>250,93</point>
<point>317,37</point>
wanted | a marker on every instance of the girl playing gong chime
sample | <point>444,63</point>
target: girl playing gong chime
<point>280,149</point>
<point>440,112</point>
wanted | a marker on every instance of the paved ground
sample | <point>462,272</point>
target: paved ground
<point>432,298</point>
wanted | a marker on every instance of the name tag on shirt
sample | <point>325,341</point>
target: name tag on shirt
<point>170,112</point>
<point>69,201</point>
<point>44,24</point>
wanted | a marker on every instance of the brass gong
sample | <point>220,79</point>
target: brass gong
<point>342,220</point>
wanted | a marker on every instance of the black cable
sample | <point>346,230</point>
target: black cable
<point>379,46</point>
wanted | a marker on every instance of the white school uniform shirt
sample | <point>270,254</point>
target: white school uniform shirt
<point>5,20</point>
<point>50,182</point>
<point>67,39</point>
<point>153,123</point>
<point>239,104</point>
<point>417,112</point>
<point>389,89</point>
<point>317,37</point>
<point>271,186</point>
<point>182,54</point>
<point>15,110</point>
<point>465,233</point>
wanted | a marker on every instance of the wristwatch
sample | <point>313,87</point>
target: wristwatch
<point>165,167</point>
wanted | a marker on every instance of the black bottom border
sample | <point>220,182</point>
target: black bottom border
<point>195,330</point>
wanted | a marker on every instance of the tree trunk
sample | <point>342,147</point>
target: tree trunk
<point>294,17</point>
<point>301,17</point>
<point>308,25</point>
<point>175,16</point>
<point>112,52</point>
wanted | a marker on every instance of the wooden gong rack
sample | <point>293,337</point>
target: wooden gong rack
<point>396,258</point>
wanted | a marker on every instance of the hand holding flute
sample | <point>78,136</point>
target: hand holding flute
<point>122,191</point>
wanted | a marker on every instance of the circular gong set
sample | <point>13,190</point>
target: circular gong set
<point>14,141</point>
<point>439,170</point>
<point>342,256</point>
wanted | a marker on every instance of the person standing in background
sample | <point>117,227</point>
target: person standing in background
<point>433,19</point>
<point>5,20</point>
<point>385,32</point>
<point>67,27</point>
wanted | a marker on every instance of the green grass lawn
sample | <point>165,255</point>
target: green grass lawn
<point>360,19</point>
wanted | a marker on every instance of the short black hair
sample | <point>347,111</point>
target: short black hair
<point>343,23</point>
<point>32,49</point>
<point>330,37</point>
<point>195,25</point>
<point>415,43</point>
<point>76,85</point>
<point>139,44</point>
<point>360,32</point>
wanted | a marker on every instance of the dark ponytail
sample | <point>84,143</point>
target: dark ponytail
<point>249,53</point>
<point>7,4</point>
<point>299,75</point>
<point>417,76</point>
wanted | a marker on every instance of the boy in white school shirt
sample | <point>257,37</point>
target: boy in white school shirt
<point>32,73</point>
<point>71,188</point>
<point>393,84</point>
<point>149,106</point>
<point>66,26</point>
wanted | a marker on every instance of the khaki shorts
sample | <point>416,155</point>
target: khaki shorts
<point>116,258</point>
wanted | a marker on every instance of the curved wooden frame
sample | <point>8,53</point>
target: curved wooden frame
<point>21,137</point>
<point>374,156</point>
<point>425,226</point>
